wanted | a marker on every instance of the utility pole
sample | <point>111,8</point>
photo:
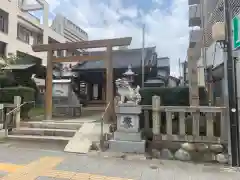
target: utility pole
<point>179,66</point>
<point>143,49</point>
<point>231,81</point>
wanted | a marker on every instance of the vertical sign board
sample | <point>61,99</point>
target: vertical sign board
<point>236,32</point>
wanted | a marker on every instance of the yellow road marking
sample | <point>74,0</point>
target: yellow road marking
<point>59,174</point>
<point>34,169</point>
<point>44,167</point>
<point>9,167</point>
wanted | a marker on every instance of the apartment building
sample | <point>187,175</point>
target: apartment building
<point>68,29</point>
<point>19,30</point>
<point>212,54</point>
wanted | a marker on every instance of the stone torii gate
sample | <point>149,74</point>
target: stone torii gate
<point>50,48</point>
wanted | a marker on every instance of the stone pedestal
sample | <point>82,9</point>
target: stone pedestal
<point>127,138</point>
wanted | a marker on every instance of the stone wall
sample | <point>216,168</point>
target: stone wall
<point>197,152</point>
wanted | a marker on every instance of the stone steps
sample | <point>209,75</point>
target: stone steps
<point>43,132</point>
<point>78,136</point>
<point>36,137</point>
<point>49,131</point>
<point>52,125</point>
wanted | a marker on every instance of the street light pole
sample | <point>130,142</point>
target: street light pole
<point>231,81</point>
<point>143,49</point>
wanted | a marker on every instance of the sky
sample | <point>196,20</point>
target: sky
<point>166,23</point>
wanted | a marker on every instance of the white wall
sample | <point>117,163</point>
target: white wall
<point>13,44</point>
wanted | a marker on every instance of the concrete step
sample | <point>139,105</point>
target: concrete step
<point>43,132</point>
<point>39,138</point>
<point>52,125</point>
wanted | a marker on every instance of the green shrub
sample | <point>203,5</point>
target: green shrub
<point>27,94</point>
<point>176,96</point>
<point>6,81</point>
<point>24,79</point>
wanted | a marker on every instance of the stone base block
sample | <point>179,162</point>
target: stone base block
<point>128,123</point>
<point>123,136</point>
<point>127,146</point>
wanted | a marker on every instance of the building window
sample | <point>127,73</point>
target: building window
<point>23,34</point>
<point>3,24</point>
<point>38,39</point>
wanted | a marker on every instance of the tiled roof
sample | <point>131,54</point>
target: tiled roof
<point>18,66</point>
<point>121,59</point>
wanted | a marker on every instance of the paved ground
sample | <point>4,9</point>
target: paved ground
<point>32,164</point>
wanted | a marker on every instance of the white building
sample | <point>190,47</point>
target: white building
<point>19,29</point>
<point>68,29</point>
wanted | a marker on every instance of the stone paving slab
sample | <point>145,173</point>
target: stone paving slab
<point>74,165</point>
<point>80,143</point>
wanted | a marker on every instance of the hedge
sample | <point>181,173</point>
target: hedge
<point>27,94</point>
<point>176,96</point>
<point>7,81</point>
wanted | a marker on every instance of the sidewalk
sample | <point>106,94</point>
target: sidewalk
<point>33,164</point>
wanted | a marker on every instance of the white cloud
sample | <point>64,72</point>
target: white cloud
<point>130,12</point>
<point>168,31</point>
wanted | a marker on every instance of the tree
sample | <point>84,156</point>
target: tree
<point>6,77</point>
<point>4,61</point>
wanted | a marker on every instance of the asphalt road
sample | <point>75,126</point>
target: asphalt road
<point>41,164</point>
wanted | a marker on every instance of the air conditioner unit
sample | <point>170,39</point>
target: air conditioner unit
<point>218,31</point>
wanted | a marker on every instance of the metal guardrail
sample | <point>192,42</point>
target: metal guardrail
<point>7,119</point>
<point>102,122</point>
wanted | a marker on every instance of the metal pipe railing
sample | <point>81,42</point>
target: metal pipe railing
<point>102,122</point>
<point>12,112</point>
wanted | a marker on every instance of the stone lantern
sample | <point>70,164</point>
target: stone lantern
<point>129,74</point>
